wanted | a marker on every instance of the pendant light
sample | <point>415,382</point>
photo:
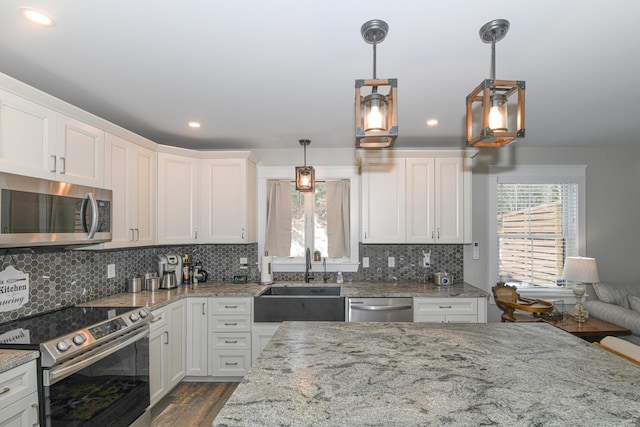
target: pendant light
<point>376,113</point>
<point>305,175</point>
<point>490,125</point>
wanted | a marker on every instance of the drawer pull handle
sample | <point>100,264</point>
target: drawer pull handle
<point>231,363</point>
<point>444,306</point>
<point>5,390</point>
<point>230,323</point>
<point>231,341</point>
<point>158,318</point>
<point>230,306</point>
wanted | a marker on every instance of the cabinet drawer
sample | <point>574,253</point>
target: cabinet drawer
<point>17,383</point>
<point>445,306</point>
<point>159,319</point>
<point>231,341</point>
<point>230,324</point>
<point>230,362</point>
<point>230,306</point>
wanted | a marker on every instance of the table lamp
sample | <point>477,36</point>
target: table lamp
<point>580,270</point>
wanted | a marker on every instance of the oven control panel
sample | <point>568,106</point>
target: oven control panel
<point>106,328</point>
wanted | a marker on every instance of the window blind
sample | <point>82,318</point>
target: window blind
<point>537,228</point>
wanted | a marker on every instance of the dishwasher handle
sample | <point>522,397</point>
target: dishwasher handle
<point>380,307</point>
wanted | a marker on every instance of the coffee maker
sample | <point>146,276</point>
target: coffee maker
<point>171,263</point>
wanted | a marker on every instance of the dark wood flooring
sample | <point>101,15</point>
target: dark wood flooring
<point>191,404</point>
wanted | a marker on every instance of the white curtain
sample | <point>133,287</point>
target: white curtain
<point>338,218</point>
<point>278,238</point>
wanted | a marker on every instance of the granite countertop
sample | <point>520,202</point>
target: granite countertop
<point>406,374</point>
<point>163,297</point>
<point>9,359</point>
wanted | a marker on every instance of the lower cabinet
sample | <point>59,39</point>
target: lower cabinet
<point>167,349</point>
<point>19,396</point>
<point>261,334</point>
<point>197,336</point>
<point>454,310</point>
<point>229,336</point>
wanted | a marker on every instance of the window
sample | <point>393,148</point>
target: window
<point>538,217</point>
<point>324,221</point>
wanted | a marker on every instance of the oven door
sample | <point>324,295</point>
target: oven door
<point>107,386</point>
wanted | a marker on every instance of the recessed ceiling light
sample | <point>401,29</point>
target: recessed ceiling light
<point>37,17</point>
<point>432,122</point>
<point>194,125</point>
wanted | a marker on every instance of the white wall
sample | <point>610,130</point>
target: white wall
<point>613,204</point>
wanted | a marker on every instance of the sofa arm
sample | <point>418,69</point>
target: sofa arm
<point>614,314</point>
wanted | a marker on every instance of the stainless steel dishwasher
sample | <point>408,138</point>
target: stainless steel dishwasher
<point>380,309</point>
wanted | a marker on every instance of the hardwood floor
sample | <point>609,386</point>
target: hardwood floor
<point>191,404</point>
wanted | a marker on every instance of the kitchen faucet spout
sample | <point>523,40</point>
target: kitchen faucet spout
<point>307,267</point>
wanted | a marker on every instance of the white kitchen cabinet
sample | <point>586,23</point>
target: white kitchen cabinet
<point>19,396</point>
<point>131,175</point>
<point>230,336</point>
<point>178,193</point>
<point>383,201</point>
<point>261,334</point>
<point>27,137</point>
<point>450,310</point>
<point>416,199</point>
<point>228,203</point>
<point>197,336</point>
<point>167,349</point>
<point>37,141</point>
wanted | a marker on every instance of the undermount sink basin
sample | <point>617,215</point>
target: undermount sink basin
<point>299,303</point>
<point>301,291</point>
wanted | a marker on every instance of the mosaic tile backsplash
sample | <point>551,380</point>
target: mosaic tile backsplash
<point>61,278</point>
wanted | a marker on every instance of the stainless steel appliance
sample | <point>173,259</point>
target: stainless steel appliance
<point>39,212</point>
<point>380,309</point>
<point>171,263</point>
<point>442,279</point>
<point>94,365</point>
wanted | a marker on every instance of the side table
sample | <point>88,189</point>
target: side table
<point>591,330</point>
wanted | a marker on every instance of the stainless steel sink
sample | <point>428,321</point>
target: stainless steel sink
<point>299,303</point>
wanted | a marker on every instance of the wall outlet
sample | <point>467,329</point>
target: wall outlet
<point>365,262</point>
<point>476,250</point>
<point>392,262</point>
<point>111,271</point>
<point>244,263</point>
<point>426,261</point>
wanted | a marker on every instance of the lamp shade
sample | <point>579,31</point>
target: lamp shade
<point>581,270</point>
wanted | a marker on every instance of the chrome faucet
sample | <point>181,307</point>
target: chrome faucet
<point>307,268</point>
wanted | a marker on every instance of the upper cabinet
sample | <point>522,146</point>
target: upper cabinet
<point>131,175</point>
<point>425,198</point>
<point>40,142</point>
<point>178,193</point>
<point>228,203</point>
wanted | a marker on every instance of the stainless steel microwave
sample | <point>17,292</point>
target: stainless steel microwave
<point>39,212</point>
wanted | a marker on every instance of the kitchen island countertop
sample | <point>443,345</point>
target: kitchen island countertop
<point>406,374</point>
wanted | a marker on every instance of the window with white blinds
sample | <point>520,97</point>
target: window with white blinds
<point>538,223</point>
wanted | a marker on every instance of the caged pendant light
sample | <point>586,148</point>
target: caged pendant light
<point>490,125</point>
<point>305,175</point>
<point>376,113</point>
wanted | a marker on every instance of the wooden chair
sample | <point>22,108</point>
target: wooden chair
<point>620,347</point>
<point>508,300</point>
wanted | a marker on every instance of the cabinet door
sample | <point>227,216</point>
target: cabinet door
<point>420,200</point>
<point>177,199</point>
<point>27,137</point>
<point>383,201</point>
<point>449,200</point>
<point>226,192</point>
<point>118,161</point>
<point>80,152</point>
<point>23,413</point>
<point>197,336</point>
<point>158,379</point>
<point>177,342</point>
<point>143,179</point>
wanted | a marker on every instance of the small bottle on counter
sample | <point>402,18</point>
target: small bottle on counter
<point>339,278</point>
<point>186,268</point>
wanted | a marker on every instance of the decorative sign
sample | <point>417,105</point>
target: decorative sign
<point>14,289</point>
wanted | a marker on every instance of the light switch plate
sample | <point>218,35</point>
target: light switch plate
<point>111,271</point>
<point>476,250</point>
<point>365,262</point>
<point>392,262</point>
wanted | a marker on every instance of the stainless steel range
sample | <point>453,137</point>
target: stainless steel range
<point>94,365</point>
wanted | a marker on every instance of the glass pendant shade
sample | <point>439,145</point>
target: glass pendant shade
<point>498,115</point>
<point>305,178</point>
<point>375,113</point>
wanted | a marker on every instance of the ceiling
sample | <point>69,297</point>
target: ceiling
<point>262,74</point>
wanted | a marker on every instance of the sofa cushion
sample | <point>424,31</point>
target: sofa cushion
<point>611,293</point>
<point>634,303</point>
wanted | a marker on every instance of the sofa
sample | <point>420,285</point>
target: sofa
<point>618,304</point>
